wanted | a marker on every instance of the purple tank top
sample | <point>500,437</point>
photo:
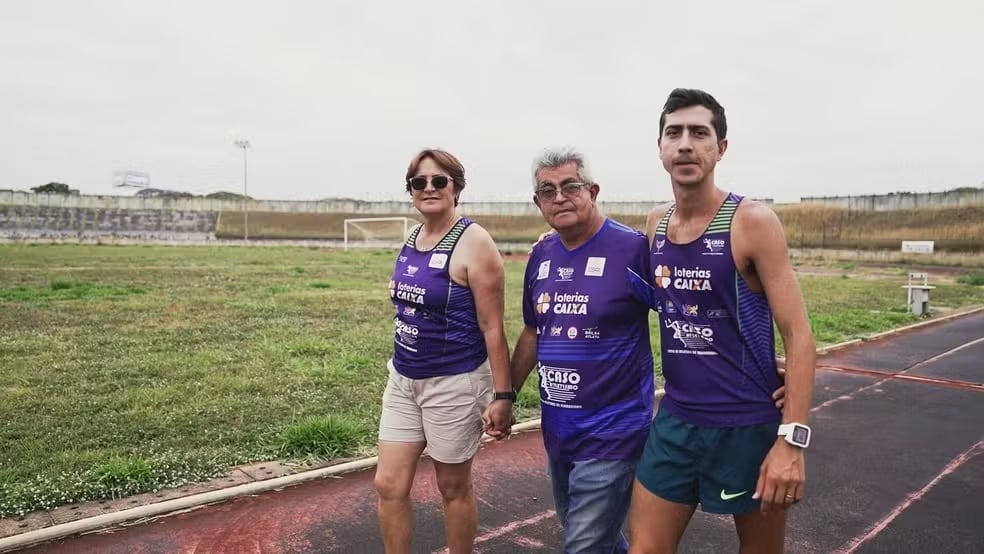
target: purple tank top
<point>436,326</point>
<point>718,344</point>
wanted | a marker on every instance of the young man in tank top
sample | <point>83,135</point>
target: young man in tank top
<point>721,274</point>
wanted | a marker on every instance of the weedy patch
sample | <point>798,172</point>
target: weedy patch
<point>118,476</point>
<point>309,347</point>
<point>67,290</point>
<point>973,279</point>
<point>330,436</point>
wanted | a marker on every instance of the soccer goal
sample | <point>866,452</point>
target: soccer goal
<point>376,232</point>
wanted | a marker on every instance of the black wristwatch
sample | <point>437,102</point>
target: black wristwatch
<point>510,396</point>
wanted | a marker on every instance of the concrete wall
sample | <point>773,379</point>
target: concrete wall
<point>199,204</point>
<point>290,206</point>
<point>857,203</point>
<point>889,202</point>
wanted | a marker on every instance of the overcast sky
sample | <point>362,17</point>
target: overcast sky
<point>823,97</point>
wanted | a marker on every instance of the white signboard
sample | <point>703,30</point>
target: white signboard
<point>131,179</point>
<point>917,246</point>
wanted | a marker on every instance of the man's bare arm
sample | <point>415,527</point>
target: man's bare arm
<point>524,356</point>
<point>770,258</point>
<point>782,476</point>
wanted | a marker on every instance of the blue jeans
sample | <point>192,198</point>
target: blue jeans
<point>592,500</point>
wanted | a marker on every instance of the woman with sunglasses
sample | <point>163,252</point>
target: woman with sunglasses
<point>449,374</point>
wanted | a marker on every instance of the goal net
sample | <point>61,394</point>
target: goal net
<point>376,232</point>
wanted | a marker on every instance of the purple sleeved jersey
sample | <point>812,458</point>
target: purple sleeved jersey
<point>718,344</point>
<point>594,357</point>
<point>436,325</point>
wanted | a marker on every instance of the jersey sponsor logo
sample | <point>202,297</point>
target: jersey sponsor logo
<point>559,385</point>
<point>572,333</point>
<point>595,267</point>
<point>544,271</point>
<point>692,336</point>
<point>409,311</point>
<point>659,247</point>
<point>714,247</point>
<point>411,271</point>
<point>718,313</point>
<point>406,333</point>
<point>591,333</point>
<point>408,293</point>
<point>402,259</point>
<point>690,310</point>
<point>662,276</point>
<point>564,274</point>
<point>670,307</point>
<point>556,331</point>
<point>438,261</point>
<point>571,303</point>
<point>562,303</point>
<point>695,279</point>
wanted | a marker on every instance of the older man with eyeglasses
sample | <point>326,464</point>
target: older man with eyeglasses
<point>588,336</point>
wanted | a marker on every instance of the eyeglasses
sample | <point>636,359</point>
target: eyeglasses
<point>569,189</point>
<point>420,182</point>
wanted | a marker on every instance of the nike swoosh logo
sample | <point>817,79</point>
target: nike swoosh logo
<point>726,496</point>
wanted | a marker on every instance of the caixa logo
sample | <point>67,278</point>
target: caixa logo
<point>571,304</point>
<point>696,279</point>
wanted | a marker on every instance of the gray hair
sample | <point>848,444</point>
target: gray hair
<point>556,157</point>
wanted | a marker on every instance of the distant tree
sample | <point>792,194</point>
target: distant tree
<point>966,189</point>
<point>54,188</point>
<point>225,195</point>
<point>162,193</point>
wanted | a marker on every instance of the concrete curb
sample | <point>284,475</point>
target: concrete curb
<point>55,532</point>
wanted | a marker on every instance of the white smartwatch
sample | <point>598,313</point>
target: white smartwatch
<point>795,434</point>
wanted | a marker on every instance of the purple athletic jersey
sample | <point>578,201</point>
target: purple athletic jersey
<point>718,346</point>
<point>436,326</point>
<point>594,358</point>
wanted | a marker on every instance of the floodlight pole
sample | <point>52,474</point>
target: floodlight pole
<point>244,144</point>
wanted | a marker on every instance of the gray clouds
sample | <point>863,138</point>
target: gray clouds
<point>822,97</point>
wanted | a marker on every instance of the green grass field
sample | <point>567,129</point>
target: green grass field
<point>128,369</point>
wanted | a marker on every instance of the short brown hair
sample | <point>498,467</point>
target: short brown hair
<point>446,161</point>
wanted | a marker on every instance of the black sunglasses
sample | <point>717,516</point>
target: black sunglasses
<point>420,182</point>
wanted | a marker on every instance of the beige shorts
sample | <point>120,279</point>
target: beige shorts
<point>444,412</point>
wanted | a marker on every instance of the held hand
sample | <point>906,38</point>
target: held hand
<point>542,237</point>
<point>780,397</point>
<point>498,419</point>
<point>782,477</point>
